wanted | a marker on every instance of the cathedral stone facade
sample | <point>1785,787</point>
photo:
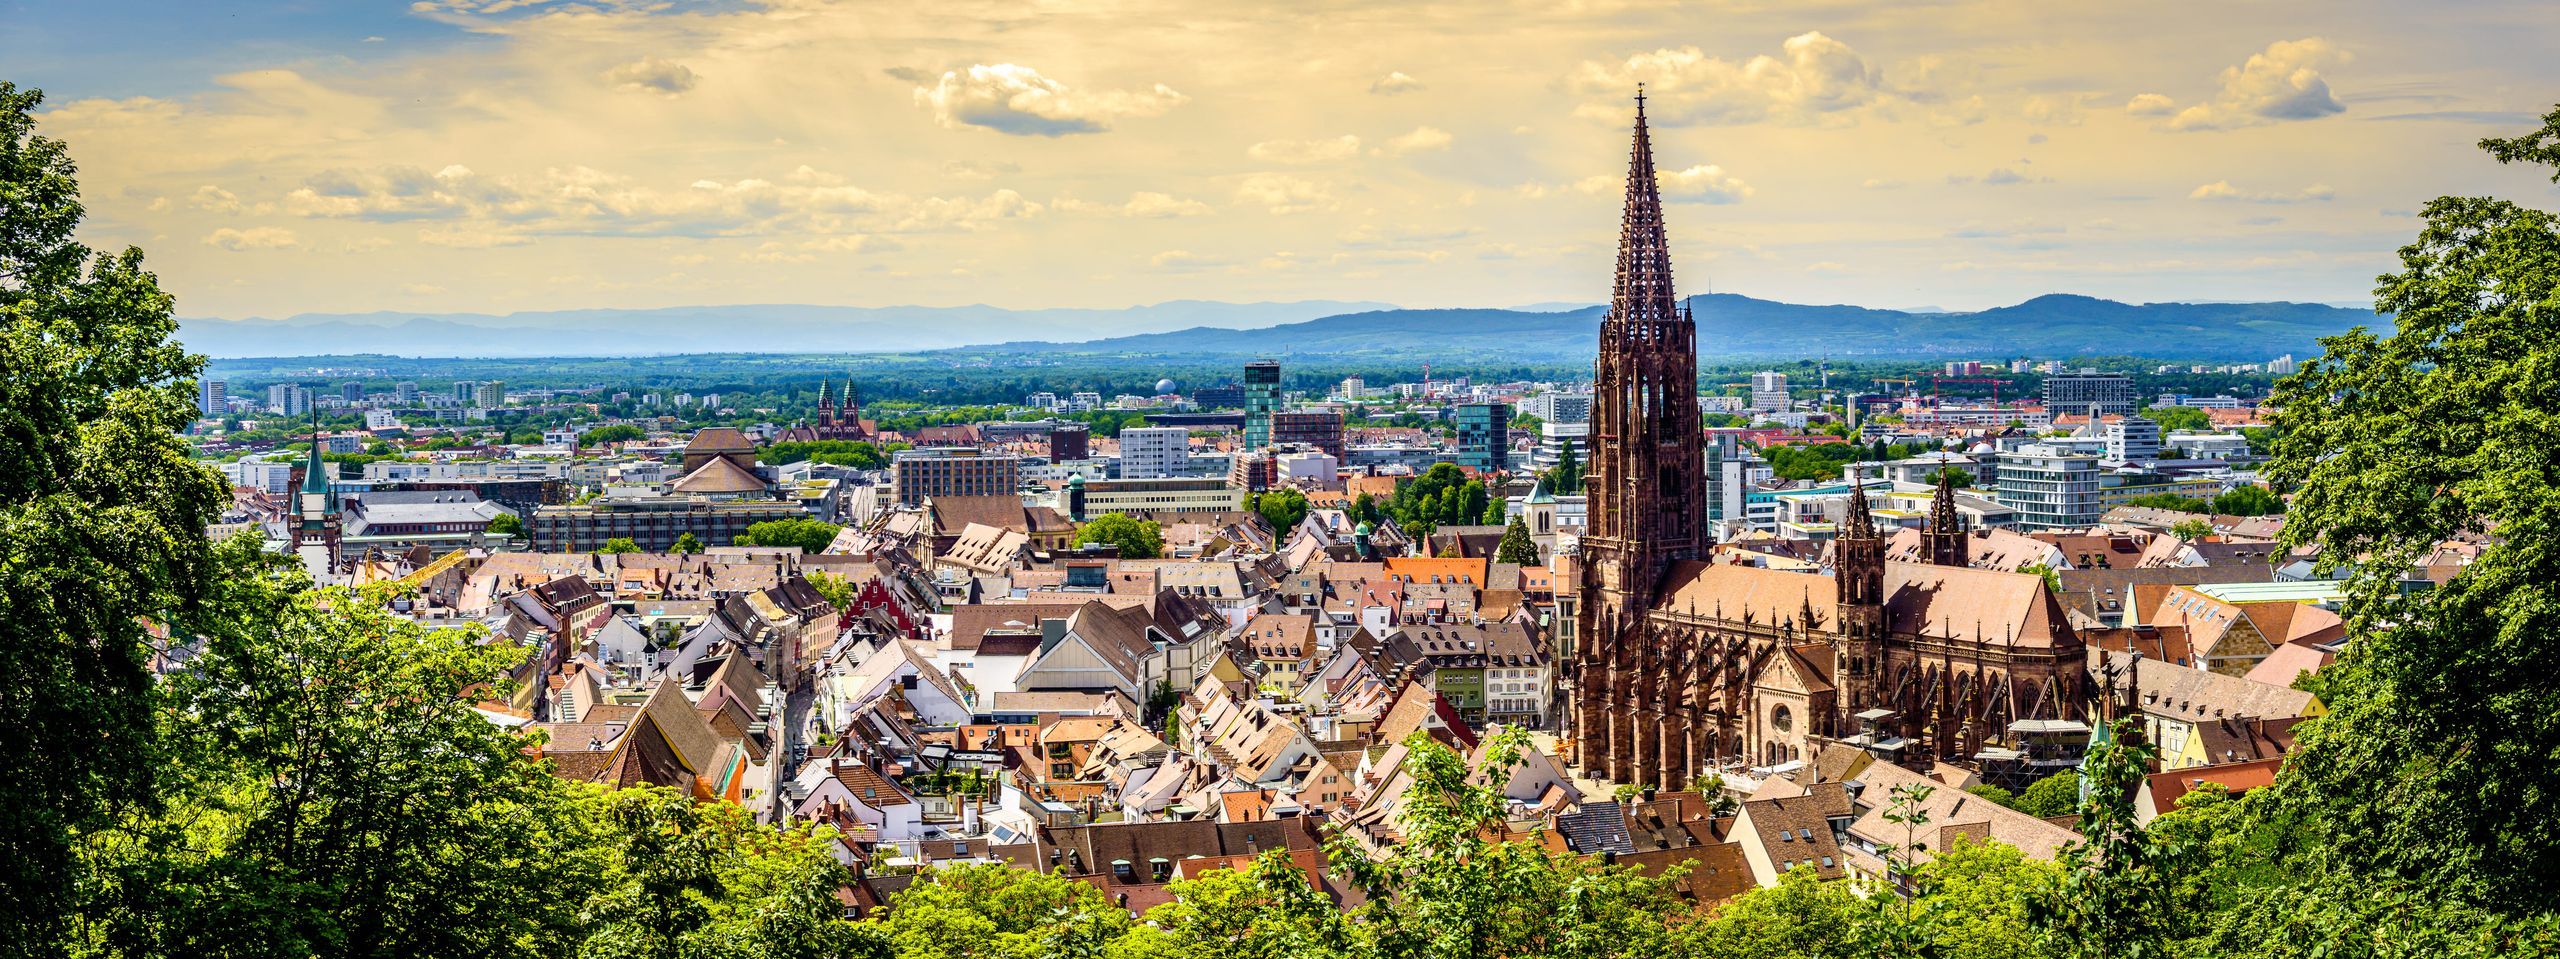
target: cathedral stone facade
<point>1684,666</point>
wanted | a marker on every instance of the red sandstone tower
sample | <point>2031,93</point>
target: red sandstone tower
<point>1646,489</point>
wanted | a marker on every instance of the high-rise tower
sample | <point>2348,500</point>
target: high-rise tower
<point>1645,488</point>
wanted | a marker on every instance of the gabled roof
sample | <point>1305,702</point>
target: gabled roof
<point>720,475</point>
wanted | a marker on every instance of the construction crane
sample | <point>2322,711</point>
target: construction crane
<point>429,572</point>
<point>1910,387</point>
<point>1936,380</point>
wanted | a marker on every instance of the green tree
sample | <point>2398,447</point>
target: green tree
<point>1283,508</point>
<point>810,535</point>
<point>1364,509</point>
<point>990,911</point>
<point>695,880</point>
<point>619,544</point>
<point>2052,577</point>
<point>339,795</point>
<point>2191,530</point>
<point>688,544</point>
<point>506,524</point>
<point>2251,500</point>
<point>2114,897</point>
<point>2444,702</point>
<point>102,517</point>
<point>616,433</point>
<point>2054,795</point>
<point>1451,887</point>
<point>838,591</point>
<point>1981,892</point>
<point>1517,548</point>
<point>2176,419</point>
<point>1137,538</point>
<point>1802,917</point>
<point>1564,478</point>
<point>1994,793</point>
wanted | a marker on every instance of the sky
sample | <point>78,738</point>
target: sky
<point>275,158</point>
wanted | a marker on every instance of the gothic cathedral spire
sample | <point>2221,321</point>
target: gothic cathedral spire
<point>1646,490</point>
<point>1945,543</point>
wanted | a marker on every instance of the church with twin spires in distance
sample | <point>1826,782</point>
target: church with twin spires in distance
<point>1685,666</point>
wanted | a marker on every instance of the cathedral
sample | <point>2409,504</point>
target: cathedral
<point>831,423</point>
<point>1685,666</point>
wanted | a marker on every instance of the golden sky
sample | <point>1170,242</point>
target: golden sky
<point>505,155</point>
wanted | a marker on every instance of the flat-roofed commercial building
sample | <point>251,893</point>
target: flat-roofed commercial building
<point>953,471</point>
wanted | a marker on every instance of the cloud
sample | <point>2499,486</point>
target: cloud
<point>2150,105</point>
<point>253,238</point>
<point>2051,110</point>
<point>1283,194</point>
<point>1815,76</point>
<point>2002,176</point>
<point>214,199</point>
<point>1014,99</point>
<point>1303,152</point>
<point>504,210</point>
<point>421,289</point>
<point>1395,83</point>
<point>1144,204</point>
<point>855,243</point>
<point>1184,261</point>
<point>2223,191</point>
<point>464,238</point>
<point>652,75</point>
<point>1880,183</point>
<point>1704,184</point>
<point>1421,140</point>
<point>2281,83</point>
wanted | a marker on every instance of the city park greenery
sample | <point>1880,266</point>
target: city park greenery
<point>1136,538</point>
<point>216,759</point>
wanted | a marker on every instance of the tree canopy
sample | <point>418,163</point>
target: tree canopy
<point>102,519</point>
<point>810,535</point>
<point>1137,538</point>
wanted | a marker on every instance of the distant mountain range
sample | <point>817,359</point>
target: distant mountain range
<point>718,329</point>
<point>1729,325</point>
<point>1740,326</point>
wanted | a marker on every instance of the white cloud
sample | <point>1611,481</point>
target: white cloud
<point>2222,190</point>
<point>1148,204</point>
<point>504,210</point>
<point>2281,83</point>
<point>1704,184</point>
<point>1015,99</point>
<point>464,238</point>
<point>1144,204</point>
<point>1423,139</point>
<point>214,199</point>
<point>1815,76</point>
<point>1283,194</point>
<point>1303,152</point>
<point>1183,261</point>
<point>2002,176</point>
<point>2052,110</point>
<point>1395,83</point>
<point>254,238</point>
<point>652,75</point>
<point>854,243</point>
